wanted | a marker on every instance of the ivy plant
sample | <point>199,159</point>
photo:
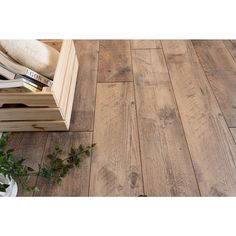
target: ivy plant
<point>52,171</point>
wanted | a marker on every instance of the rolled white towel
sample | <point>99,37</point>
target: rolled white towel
<point>33,54</point>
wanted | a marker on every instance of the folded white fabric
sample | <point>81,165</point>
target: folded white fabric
<point>33,54</point>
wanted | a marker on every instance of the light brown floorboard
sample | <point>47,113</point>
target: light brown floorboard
<point>231,46</point>
<point>145,44</point>
<point>211,145</point>
<point>167,167</point>
<point>82,117</point>
<point>220,69</point>
<point>115,44</point>
<point>114,65</point>
<point>86,45</point>
<point>116,167</point>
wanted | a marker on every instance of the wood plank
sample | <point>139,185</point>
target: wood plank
<point>215,56</point>
<point>221,72</point>
<point>114,65</point>
<point>28,99</point>
<point>223,84</point>
<point>231,46</point>
<point>210,142</point>
<point>166,162</point>
<point>115,44</point>
<point>77,182</point>
<point>207,43</point>
<point>29,145</point>
<point>30,114</point>
<point>82,118</point>
<point>18,126</point>
<point>65,94</point>
<point>71,93</point>
<point>116,167</point>
<point>145,44</point>
<point>86,45</point>
<point>60,72</point>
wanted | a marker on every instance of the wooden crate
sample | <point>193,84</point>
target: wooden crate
<point>50,109</point>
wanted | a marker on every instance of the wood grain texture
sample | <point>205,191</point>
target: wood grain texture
<point>145,44</point>
<point>211,145</point>
<point>116,167</point>
<point>114,65</point>
<point>231,46</point>
<point>29,114</point>
<point>115,44</point>
<point>71,95</point>
<point>166,162</point>
<point>29,145</point>
<point>77,182</point>
<point>28,99</point>
<point>18,126</point>
<point>223,84</point>
<point>214,56</point>
<point>220,69</point>
<point>84,100</point>
<point>86,45</point>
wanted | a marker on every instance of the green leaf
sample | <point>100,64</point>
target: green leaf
<point>30,169</point>
<point>87,152</point>
<point>81,147</point>
<point>3,187</point>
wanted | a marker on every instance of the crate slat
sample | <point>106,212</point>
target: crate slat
<point>60,72</point>
<point>49,110</point>
<point>72,92</point>
<point>17,126</point>
<point>14,114</point>
<point>29,99</point>
<point>67,83</point>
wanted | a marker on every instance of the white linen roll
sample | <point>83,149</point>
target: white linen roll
<point>33,54</point>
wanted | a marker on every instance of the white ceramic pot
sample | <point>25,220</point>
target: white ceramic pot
<point>11,190</point>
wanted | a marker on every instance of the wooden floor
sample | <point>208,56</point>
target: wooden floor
<point>163,115</point>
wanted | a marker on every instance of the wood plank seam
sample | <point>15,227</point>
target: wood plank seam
<point>208,81</point>
<point>115,169</point>
<point>167,165</point>
<point>94,114</point>
<point>180,118</point>
<point>140,154</point>
<point>209,138</point>
<point>234,59</point>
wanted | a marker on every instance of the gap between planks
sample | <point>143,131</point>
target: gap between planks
<point>166,162</point>
<point>213,158</point>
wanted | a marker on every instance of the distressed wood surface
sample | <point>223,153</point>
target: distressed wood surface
<point>167,167</point>
<point>211,145</point>
<point>145,44</point>
<point>231,46</point>
<point>114,65</point>
<point>115,44</point>
<point>116,167</point>
<point>84,100</point>
<point>169,131</point>
<point>86,45</point>
<point>220,69</point>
